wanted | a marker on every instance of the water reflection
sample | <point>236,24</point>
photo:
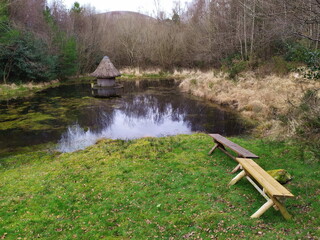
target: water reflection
<point>146,108</point>
<point>106,92</point>
<point>122,126</point>
<point>149,109</point>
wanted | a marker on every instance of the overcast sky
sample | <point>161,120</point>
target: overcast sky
<point>143,6</point>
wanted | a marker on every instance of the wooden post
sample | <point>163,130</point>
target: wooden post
<point>257,187</point>
<point>214,147</point>
<point>237,178</point>
<point>282,208</point>
<point>263,209</point>
<point>236,168</point>
<point>226,152</point>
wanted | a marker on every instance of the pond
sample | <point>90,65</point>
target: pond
<point>71,116</point>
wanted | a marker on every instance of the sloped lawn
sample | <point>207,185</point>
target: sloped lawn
<point>167,188</point>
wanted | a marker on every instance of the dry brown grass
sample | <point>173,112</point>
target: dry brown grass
<point>258,99</point>
<point>140,72</point>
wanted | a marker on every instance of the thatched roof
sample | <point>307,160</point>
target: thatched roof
<point>105,69</point>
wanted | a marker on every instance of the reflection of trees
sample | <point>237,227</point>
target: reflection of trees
<point>98,116</point>
<point>153,107</point>
<point>197,115</point>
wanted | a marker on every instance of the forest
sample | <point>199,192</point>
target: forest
<point>41,42</point>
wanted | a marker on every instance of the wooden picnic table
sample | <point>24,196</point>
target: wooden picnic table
<point>271,189</point>
<point>266,185</point>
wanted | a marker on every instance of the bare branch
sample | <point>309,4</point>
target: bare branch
<point>307,37</point>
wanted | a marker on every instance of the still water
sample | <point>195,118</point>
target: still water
<point>70,116</point>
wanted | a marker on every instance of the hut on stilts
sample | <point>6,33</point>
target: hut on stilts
<point>106,73</point>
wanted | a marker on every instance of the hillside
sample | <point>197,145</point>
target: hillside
<point>121,14</point>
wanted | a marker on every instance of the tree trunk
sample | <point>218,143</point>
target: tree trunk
<point>245,32</point>
<point>253,28</point>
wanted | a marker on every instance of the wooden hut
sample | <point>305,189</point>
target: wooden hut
<point>106,73</point>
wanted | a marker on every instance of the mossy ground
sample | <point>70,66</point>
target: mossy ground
<point>149,188</point>
<point>23,116</point>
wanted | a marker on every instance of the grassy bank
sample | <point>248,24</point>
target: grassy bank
<point>9,91</point>
<point>167,188</point>
<point>261,99</point>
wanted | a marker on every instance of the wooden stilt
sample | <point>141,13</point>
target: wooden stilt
<point>237,178</point>
<point>212,149</point>
<point>263,209</point>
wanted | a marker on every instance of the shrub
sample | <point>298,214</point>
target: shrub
<point>234,65</point>
<point>25,58</point>
<point>22,56</point>
<point>236,68</point>
<point>299,53</point>
<point>68,58</point>
<point>280,66</point>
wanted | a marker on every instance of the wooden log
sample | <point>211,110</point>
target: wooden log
<point>214,148</point>
<point>263,209</point>
<point>237,178</point>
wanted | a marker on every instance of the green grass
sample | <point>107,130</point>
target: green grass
<point>166,188</point>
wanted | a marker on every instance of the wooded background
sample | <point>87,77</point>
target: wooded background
<point>39,42</point>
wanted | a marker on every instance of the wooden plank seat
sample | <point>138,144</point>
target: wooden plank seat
<point>270,189</point>
<point>221,143</point>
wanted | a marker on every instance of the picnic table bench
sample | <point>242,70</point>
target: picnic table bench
<point>221,143</point>
<point>271,190</point>
<point>266,185</point>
